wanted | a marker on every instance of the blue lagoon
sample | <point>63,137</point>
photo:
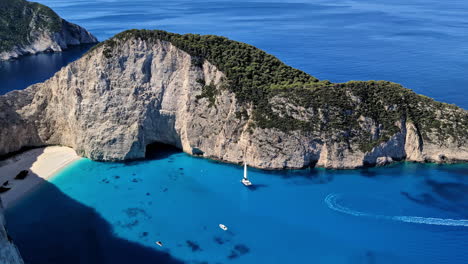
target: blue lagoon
<point>404,213</point>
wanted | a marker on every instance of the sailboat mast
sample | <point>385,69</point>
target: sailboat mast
<point>245,170</point>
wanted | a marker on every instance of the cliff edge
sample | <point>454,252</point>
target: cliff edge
<point>29,28</point>
<point>226,100</point>
<point>9,254</point>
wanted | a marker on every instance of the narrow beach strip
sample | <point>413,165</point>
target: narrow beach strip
<point>42,164</point>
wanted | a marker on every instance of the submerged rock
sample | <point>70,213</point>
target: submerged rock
<point>22,175</point>
<point>193,246</point>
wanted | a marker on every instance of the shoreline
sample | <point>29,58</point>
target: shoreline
<point>42,163</point>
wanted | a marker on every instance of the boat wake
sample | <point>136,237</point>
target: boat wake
<point>332,201</point>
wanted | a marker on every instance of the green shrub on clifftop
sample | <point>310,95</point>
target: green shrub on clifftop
<point>337,109</point>
<point>16,19</point>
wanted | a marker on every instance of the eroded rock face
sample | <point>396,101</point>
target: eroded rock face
<point>70,34</point>
<point>9,254</point>
<point>36,28</point>
<point>110,106</point>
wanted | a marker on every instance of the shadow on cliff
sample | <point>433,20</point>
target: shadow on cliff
<point>62,230</point>
<point>157,151</point>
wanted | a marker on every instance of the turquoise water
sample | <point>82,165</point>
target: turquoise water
<point>94,212</point>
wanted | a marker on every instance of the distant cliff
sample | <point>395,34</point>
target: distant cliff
<point>225,100</point>
<point>28,28</point>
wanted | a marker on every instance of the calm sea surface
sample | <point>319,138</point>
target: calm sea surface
<point>94,212</point>
<point>421,44</point>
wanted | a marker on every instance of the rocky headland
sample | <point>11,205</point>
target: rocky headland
<point>226,100</point>
<point>29,28</point>
<point>220,99</point>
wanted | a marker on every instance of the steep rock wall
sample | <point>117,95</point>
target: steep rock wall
<point>29,28</point>
<point>9,254</point>
<point>110,104</point>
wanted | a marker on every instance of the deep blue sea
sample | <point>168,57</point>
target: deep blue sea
<point>94,212</point>
<point>421,44</point>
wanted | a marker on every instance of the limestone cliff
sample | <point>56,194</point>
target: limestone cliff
<point>28,28</point>
<point>140,88</point>
<point>8,252</point>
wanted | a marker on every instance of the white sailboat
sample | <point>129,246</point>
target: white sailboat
<point>245,180</point>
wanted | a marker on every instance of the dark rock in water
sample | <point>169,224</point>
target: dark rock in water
<point>4,189</point>
<point>369,257</point>
<point>134,212</point>
<point>21,175</point>
<point>181,168</point>
<point>238,251</point>
<point>194,246</point>
<point>255,187</point>
<point>129,225</point>
<point>148,194</point>
<point>233,255</point>
<point>144,234</point>
<point>219,240</point>
<point>173,177</point>
<point>242,249</point>
<point>116,177</point>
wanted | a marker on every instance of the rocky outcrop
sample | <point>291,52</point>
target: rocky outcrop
<point>9,254</point>
<point>110,104</point>
<point>29,28</point>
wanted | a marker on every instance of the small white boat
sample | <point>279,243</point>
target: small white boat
<point>159,243</point>
<point>223,227</point>
<point>245,180</point>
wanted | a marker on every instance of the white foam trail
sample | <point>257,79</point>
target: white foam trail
<point>331,201</point>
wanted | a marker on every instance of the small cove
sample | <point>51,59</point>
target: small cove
<point>180,200</point>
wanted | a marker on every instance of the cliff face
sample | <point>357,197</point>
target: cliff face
<point>110,104</point>
<point>8,252</point>
<point>29,28</point>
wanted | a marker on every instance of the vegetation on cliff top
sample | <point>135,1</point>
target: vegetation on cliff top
<point>259,79</point>
<point>15,22</point>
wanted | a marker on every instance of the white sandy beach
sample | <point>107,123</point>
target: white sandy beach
<point>42,163</point>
